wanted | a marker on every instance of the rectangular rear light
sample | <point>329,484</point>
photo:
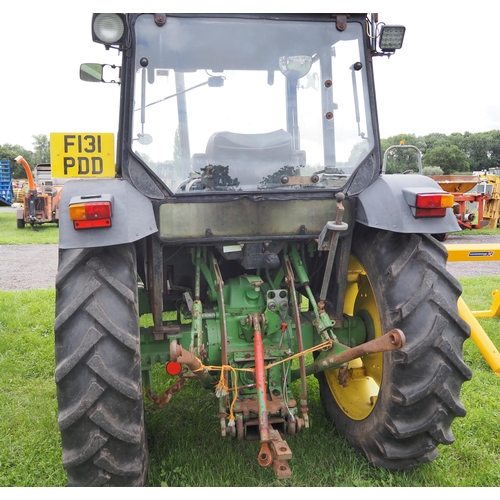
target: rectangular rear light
<point>433,204</point>
<point>434,200</point>
<point>91,212</point>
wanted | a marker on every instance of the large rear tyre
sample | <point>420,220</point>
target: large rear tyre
<point>98,367</point>
<point>398,406</point>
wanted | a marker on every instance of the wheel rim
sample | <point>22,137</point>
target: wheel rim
<point>358,399</point>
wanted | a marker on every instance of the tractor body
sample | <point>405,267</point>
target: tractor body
<point>248,216</point>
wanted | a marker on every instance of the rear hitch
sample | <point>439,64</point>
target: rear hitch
<point>273,451</point>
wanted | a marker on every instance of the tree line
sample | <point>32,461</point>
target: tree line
<point>40,154</point>
<point>456,153</point>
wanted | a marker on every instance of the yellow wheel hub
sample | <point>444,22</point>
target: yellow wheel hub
<point>364,375</point>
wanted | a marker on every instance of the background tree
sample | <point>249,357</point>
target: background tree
<point>358,151</point>
<point>177,153</point>
<point>482,149</point>
<point>432,171</point>
<point>449,158</point>
<point>434,139</point>
<point>10,152</point>
<point>41,154</point>
<point>401,160</point>
<point>41,146</point>
<point>493,152</point>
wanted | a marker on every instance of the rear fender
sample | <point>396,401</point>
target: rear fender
<point>384,204</point>
<point>132,218</point>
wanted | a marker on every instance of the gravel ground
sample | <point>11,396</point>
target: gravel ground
<point>28,267</point>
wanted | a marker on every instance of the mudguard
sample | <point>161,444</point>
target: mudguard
<point>385,204</point>
<point>132,219</point>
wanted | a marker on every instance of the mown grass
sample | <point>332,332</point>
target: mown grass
<point>30,453</point>
<point>485,231</point>
<point>185,448</point>
<point>11,235</point>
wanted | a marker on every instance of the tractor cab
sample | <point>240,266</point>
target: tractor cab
<point>248,103</point>
<point>237,105</point>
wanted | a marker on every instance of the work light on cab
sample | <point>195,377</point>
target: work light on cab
<point>91,212</point>
<point>391,38</point>
<point>108,29</point>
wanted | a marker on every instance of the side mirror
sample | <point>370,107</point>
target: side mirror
<point>91,72</point>
<point>94,72</point>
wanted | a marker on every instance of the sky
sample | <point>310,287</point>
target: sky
<point>445,78</point>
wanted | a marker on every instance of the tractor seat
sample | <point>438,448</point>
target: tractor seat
<point>250,157</point>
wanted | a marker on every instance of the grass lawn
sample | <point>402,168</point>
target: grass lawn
<point>11,235</point>
<point>184,443</point>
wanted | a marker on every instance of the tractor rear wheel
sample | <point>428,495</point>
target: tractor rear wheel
<point>98,367</point>
<point>398,406</point>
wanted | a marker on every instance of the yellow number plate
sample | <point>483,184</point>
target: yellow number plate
<point>81,154</point>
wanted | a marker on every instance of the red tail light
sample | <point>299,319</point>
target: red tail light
<point>173,368</point>
<point>433,204</point>
<point>90,214</point>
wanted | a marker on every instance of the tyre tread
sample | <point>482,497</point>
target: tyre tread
<point>420,393</point>
<point>98,373</point>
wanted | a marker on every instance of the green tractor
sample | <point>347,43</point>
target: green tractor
<point>248,215</point>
